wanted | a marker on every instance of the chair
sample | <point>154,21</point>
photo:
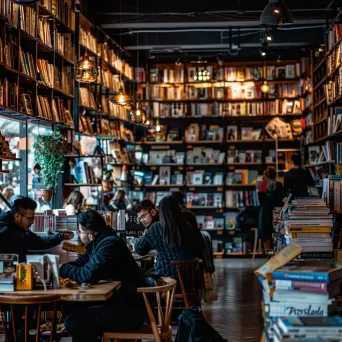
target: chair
<point>17,305</point>
<point>191,281</point>
<point>255,245</point>
<point>157,332</point>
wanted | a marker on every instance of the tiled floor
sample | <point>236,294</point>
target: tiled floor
<point>236,312</point>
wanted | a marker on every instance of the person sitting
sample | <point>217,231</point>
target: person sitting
<point>15,235</point>
<point>8,193</point>
<point>173,237</point>
<point>73,205</point>
<point>146,212</point>
<point>107,258</point>
<point>297,180</point>
<point>121,201</point>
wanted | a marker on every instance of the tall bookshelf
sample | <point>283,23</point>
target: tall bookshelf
<point>220,128</point>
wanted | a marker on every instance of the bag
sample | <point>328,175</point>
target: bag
<point>194,328</point>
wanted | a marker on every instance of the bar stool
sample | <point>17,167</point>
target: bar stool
<point>17,305</point>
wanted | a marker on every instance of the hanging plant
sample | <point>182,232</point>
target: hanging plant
<point>50,150</point>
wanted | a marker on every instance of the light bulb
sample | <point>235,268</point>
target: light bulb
<point>265,88</point>
<point>158,128</point>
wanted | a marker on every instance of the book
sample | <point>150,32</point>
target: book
<point>319,273</point>
<point>299,309</point>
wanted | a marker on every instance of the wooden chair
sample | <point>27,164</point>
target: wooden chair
<point>191,278</point>
<point>17,305</point>
<point>153,331</point>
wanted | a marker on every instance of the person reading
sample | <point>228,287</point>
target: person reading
<point>15,234</point>
<point>107,258</point>
<point>173,237</point>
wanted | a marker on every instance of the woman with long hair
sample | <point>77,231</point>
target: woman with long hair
<point>73,205</point>
<point>173,237</point>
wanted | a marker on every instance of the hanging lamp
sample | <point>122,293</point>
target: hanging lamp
<point>138,115</point>
<point>265,87</point>
<point>86,71</point>
<point>25,2</point>
<point>276,13</point>
<point>121,98</point>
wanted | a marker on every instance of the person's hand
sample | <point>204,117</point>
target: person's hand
<point>67,235</point>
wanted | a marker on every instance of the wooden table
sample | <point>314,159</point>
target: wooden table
<point>99,292</point>
<point>149,256</point>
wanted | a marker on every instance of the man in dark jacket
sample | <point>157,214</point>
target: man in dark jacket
<point>15,234</point>
<point>147,213</point>
<point>107,258</point>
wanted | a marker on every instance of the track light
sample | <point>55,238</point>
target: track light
<point>178,62</point>
<point>276,13</point>
<point>262,51</point>
<point>219,60</point>
<point>269,35</point>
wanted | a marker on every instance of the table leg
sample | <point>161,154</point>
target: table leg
<point>4,324</point>
<point>54,322</point>
<point>26,324</point>
<point>38,322</point>
<point>13,324</point>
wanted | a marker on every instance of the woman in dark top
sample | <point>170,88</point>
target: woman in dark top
<point>173,237</point>
<point>270,196</point>
<point>297,180</point>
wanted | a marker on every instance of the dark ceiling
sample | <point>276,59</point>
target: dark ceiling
<point>166,30</point>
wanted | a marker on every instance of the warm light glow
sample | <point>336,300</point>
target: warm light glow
<point>202,75</point>
<point>86,71</point>
<point>276,11</point>
<point>265,88</point>
<point>122,99</point>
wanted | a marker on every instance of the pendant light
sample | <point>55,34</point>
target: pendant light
<point>121,98</point>
<point>265,87</point>
<point>86,71</point>
<point>276,13</point>
<point>138,115</point>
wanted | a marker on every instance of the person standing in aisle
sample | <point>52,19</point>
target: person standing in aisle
<point>121,201</point>
<point>297,180</point>
<point>270,195</point>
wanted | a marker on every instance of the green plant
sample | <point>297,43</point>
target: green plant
<point>50,150</point>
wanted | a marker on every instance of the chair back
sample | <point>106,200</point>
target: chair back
<point>167,291</point>
<point>187,271</point>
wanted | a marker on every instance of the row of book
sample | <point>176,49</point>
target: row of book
<point>246,91</point>
<point>62,9</point>
<point>230,73</point>
<point>240,199</point>
<point>236,108</point>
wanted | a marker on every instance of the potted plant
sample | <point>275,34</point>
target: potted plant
<point>50,150</point>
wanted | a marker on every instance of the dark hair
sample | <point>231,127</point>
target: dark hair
<point>144,205</point>
<point>296,159</point>
<point>271,173</point>
<point>92,222</point>
<point>37,166</point>
<point>171,222</point>
<point>178,196</point>
<point>76,199</point>
<point>23,203</point>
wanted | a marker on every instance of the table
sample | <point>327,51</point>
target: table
<point>148,256</point>
<point>99,292</point>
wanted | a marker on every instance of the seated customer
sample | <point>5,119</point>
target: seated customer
<point>107,258</point>
<point>73,205</point>
<point>15,234</point>
<point>147,213</point>
<point>173,237</point>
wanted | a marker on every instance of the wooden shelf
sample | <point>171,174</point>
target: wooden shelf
<point>204,186</point>
<point>10,158</point>
<point>240,185</point>
<point>166,164</point>
<point>206,164</point>
<point>87,156</point>
<point>164,186</point>
<point>4,171</point>
<point>320,164</point>
<point>205,207</point>
<point>178,142</point>
<point>81,185</point>
<point>200,142</point>
<point>319,103</point>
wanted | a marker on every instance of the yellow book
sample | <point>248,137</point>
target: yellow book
<point>308,229</point>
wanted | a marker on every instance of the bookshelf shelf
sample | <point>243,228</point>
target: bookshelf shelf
<point>205,164</point>
<point>4,171</point>
<point>164,186</point>
<point>10,158</point>
<point>80,185</point>
<point>62,93</point>
<point>320,83</point>
<point>320,103</point>
<point>203,142</point>
<point>87,156</point>
<point>239,185</point>
<point>213,230</point>
<point>320,164</point>
<point>163,142</point>
<point>204,207</point>
<point>222,100</point>
<point>165,164</point>
<point>229,117</point>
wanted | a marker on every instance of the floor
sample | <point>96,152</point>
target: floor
<point>236,312</point>
<point>233,308</point>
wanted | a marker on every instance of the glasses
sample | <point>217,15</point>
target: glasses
<point>142,217</point>
<point>29,218</point>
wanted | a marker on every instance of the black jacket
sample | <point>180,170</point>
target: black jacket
<point>297,181</point>
<point>14,240</point>
<point>108,258</point>
<point>192,247</point>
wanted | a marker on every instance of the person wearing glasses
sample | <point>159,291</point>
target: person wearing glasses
<point>107,258</point>
<point>146,212</point>
<point>15,234</point>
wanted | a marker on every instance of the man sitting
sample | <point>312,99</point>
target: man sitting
<point>147,213</point>
<point>107,258</point>
<point>15,235</point>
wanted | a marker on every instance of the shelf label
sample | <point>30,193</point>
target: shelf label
<point>220,189</point>
<point>192,189</point>
<point>232,232</point>
<point>153,168</point>
<point>219,210</point>
<point>220,232</point>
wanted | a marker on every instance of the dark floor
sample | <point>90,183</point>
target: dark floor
<point>236,312</point>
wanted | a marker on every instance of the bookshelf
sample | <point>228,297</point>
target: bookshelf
<point>218,128</point>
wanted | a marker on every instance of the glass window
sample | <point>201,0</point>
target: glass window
<point>10,182</point>
<point>35,180</point>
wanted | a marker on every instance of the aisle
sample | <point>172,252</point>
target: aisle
<point>236,312</point>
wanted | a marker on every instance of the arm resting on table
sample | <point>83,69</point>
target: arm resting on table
<point>37,243</point>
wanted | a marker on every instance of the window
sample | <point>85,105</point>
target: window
<point>10,130</point>
<point>35,181</point>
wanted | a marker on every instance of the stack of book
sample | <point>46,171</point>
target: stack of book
<point>8,264</point>
<point>309,224</point>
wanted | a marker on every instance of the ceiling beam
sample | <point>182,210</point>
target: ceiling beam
<point>209,46</point>
<point>183,24</point>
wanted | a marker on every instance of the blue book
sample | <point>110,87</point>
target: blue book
<point>324,273</point>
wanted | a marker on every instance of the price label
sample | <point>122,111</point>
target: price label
<point>191,189</point>
<point>137,189</point>
<point>180,168</point>
<point>219,210</point>
<point>220,232</point>
<point>153,168</point>
<point>220,189</point>
<point>232,232</point>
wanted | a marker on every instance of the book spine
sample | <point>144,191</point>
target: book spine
<point>301,285</point>
<point>307,276</point>
<point>299,310</point>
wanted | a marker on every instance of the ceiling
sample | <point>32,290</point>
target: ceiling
<point>167,30</point>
